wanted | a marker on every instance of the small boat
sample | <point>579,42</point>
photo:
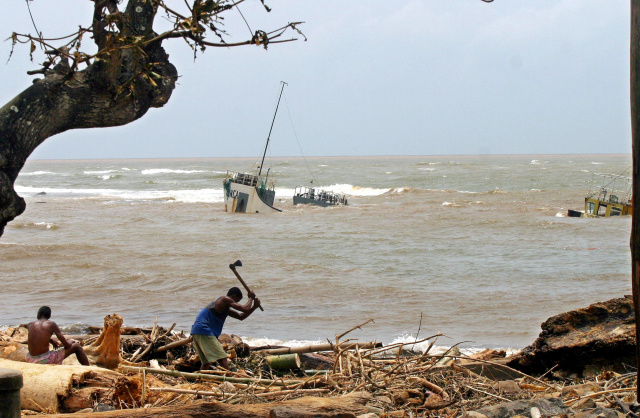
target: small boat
<point>611,196</point>
<point>310,196</point>
<point>251,193</point>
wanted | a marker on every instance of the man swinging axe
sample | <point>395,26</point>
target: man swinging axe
<point>209,322</point>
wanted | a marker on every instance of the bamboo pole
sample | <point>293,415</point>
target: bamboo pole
<point>321,347</point>
<point>284,361</point>
<point>222,394</point>
<point>174,344</point>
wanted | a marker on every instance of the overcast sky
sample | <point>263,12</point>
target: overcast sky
<point>421,77</point>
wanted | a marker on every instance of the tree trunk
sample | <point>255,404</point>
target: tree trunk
<point>635,133</point>
<point>350,405</point>
<point>117,88</point>
<point>71,388</point>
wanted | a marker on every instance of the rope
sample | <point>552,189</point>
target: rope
<point>297,140</point>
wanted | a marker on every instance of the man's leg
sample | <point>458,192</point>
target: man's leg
<point>76,349</point>
<point>224,363</point>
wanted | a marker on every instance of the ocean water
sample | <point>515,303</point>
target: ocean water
<point>478,248</point>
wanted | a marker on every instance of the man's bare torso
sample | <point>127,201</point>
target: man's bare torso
<point>40,333</point>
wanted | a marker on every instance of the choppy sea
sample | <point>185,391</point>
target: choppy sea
<point>478,248</point>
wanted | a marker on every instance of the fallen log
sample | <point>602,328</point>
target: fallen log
<point>13,351</point>
<point>123,330</point>
<point>202,376</point>
<point>322,347</point>
<point>345,406</point>
<point>64,388</point>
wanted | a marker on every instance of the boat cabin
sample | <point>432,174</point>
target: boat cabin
<point>611,197</point>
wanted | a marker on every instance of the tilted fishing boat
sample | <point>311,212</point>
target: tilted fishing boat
<point>612,196</point>
<point>310,196</point>
<point>251,193</point>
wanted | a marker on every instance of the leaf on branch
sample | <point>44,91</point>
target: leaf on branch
<point>260,38</point>
<point>32,50</point>
<point>269,9</point>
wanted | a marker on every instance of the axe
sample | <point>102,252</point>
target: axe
<point>233,266</point>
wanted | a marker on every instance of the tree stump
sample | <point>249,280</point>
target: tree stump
<point>105,351</point>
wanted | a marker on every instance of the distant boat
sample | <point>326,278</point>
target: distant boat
<point>310,196</point>
<point>251,193</point>
<point>612,196</point>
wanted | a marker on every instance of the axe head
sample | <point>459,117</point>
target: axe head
<point>233,266</point>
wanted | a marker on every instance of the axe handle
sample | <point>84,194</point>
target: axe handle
<point>243,283</point>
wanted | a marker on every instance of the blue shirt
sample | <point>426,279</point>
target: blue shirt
<point>209,321</point>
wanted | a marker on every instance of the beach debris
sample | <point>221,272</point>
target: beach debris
<point>583,342</point>
<point>394,380</point>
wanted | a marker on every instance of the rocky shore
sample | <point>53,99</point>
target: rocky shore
<point>582,365</point>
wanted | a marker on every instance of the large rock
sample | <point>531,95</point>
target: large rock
<point>584,341</point>
<point>547,407</point>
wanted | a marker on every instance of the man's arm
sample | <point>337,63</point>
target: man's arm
<point>56,330</point>
<point>244,310</point>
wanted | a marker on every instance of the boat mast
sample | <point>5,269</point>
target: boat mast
<point>270,129</point>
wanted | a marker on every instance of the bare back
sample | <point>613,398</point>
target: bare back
<point>40,333</point>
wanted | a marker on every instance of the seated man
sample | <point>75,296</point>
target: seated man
<point>40,333</point>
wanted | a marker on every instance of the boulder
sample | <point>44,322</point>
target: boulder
<point>583,342</point>
<point>546,406</point>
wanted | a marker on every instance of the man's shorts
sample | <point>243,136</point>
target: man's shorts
<point>209,348</point>
<point>50,357</point>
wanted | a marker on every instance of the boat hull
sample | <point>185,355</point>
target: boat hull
<point>241,198</point>
<point>574,213</point>
<point>299,200</point>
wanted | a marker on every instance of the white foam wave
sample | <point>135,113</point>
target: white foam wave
<point>259,342</point>
<point>426,169</point>
<point>37,173</point>
<point>367,191</point>
<point>595,163</point>
<point>152,171</point>
<point>184,196</point>
<point>535,162</point>
<point>561,215</point>
<point>47,225</point>
<point>99,172</point>
<point>439,349</point>
<point>346,189</point>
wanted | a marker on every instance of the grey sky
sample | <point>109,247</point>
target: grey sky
<point>422,77</point>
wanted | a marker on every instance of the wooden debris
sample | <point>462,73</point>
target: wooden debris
<point>396,380</point>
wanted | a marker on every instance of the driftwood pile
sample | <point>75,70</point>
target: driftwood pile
<point>158,368</point>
